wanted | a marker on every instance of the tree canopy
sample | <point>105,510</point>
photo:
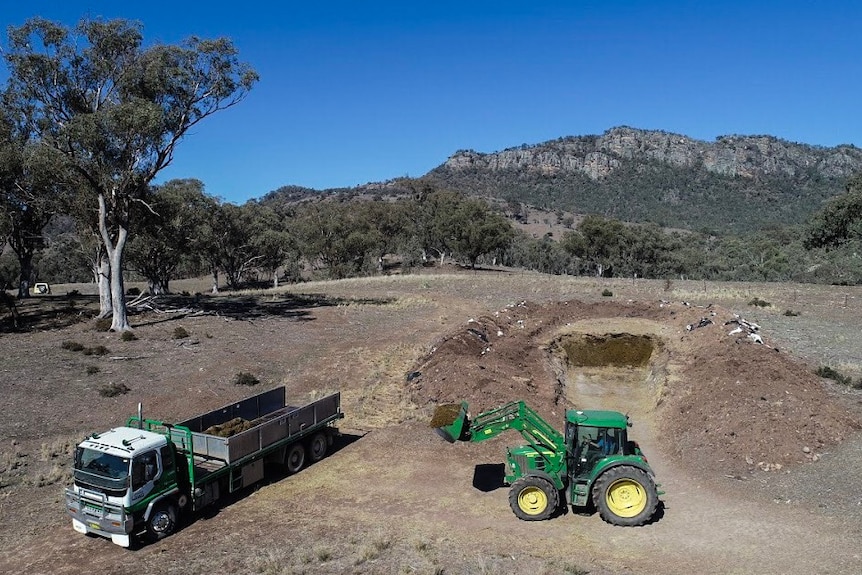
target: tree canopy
<point>113,111</point>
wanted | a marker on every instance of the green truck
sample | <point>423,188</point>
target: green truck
<point>143,478</point>
<point>592,463</point>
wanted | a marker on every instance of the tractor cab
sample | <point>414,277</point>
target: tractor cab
<point>592,436</point>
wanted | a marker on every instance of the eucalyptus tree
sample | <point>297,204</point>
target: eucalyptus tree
<point>166,230</point>
<point>272,242</point>
<point>478,231</point>
<point>31,192</point>
<point>337,237</point>
<point>114,110</point>
<point>840,221</point>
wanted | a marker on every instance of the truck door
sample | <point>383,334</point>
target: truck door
<point>146,470</point>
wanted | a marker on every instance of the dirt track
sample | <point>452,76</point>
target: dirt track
<point>395,498</point>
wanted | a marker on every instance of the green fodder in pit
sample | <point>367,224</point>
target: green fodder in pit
<point>229,428</point>
<point>616,350</point>
<point>445,414</point>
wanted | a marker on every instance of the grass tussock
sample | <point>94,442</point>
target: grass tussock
<point>244,378</point>
<point>114,389</point>
<point>180,333</point>
<point>827,372</point>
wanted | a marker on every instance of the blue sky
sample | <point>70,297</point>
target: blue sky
<point>357,92</point>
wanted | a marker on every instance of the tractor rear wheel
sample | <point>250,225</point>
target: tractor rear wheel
<point>533,498</point>
<point>625,496</point>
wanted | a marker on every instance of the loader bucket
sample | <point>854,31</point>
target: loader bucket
<point>450,421</point>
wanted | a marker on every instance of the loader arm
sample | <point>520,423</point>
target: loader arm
<point>453,423</point>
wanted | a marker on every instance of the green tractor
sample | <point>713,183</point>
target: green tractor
<point>593,462</point>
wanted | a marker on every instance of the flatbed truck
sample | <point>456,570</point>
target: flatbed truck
<point>141,479</point>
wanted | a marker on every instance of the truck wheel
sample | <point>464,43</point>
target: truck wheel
<point>533,498</point>
<point>295,457</point>
<point>162,521</point>
<point>317,447</point>
<point>625,496</point>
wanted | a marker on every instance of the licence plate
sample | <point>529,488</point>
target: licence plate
<point>93,525</point>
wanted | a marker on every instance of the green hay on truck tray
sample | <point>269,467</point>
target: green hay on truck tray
<point>230,428</point>
<point>445,414</point>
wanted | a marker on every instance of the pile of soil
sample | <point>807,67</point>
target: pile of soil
<point>723,400</point>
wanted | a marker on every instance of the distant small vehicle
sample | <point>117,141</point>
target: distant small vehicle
<point>41,288</point>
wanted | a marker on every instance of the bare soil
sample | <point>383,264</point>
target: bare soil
<point>758,456</point>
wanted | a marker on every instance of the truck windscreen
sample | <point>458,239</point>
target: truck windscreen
<point>101,469</point>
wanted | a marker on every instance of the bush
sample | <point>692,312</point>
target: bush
<point>113,390</point>
<point>133,291</point>
<point>829,373</point>
<point>93,369</point>
<point>97,350</point>
<point>72,346</point>
<point>759,302</point>
<point>180,333</point>
<point>128,336</point>
<point>243,378</point>
<point>607,293</point>
<point>791,313</point>
<point>103,324</point>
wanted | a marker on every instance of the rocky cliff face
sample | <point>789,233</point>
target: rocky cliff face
<point>599,156</point>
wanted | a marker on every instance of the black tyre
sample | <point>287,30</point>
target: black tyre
<point>162,521</point>
<point>317,446</point>
<point>533,498</point>
<point>625,496</point>
<point>295,457</point>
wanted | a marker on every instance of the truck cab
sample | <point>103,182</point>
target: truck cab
<point>119,477</point>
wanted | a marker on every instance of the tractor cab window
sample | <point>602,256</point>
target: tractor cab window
<point>594,443</point>
<point>145,468</point>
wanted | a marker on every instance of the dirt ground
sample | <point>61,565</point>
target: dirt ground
<point>758,456</point>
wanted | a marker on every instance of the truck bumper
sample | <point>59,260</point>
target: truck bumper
<point>99,517</point>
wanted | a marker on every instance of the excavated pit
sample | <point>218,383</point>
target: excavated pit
<point>619,371</point>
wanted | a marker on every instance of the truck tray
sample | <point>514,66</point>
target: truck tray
<point>274,421</point>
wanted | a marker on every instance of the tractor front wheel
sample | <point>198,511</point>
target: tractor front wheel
<point>625,496</point>
<point>533,498</point>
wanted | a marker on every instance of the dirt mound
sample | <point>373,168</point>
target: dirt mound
<point>721,398</point>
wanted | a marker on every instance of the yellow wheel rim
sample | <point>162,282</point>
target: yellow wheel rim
<point>626,498</point>
<point>532,500</point>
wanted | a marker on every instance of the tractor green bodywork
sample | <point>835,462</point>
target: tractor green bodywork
<point>593,442</point>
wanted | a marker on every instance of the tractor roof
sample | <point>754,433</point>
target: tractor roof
<point>598,418</point>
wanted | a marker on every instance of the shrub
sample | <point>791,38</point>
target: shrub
<point>791,313</point>
<point>759,302</point>
<point>243,378</point>
<point>93,369</point>
<point>102,324</point>
<point>829,373</point>
<point>128,336</point>
<point>113,390</point>
<point>72,346</point>
<point>96,350</point>
<point>133,291</point>
<point>607,293</point>
<point>180,332</point>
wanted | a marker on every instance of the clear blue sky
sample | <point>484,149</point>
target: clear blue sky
<point>365,91</point>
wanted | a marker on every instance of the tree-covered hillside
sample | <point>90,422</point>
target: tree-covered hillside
<point>734,185</point>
